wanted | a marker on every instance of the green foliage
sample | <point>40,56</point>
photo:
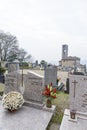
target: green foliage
<point>23,64</point>
<point>43,63</point>
<point>57,117</point>
<point>2,70</point>
<point>2,87</point>
<point>62,100</point>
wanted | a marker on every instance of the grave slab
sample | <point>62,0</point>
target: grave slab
<point>26,118</point>
<point>67,124</point>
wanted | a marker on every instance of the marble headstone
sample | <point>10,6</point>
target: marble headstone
<point>13,66</point>
<point>78,93</point>
<point>33,87</point>
<point>50,75</point>
<point>12,82</point>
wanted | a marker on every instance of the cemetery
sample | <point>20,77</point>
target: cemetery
<point>31,112</point>
<point>26,94</point>
<point>43,86</point>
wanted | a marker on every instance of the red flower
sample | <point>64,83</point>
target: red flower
<point>54,90</point>
<point>46,87</point>
<point>51,84</point>
<point>49,91</point>
<point>53,96</point>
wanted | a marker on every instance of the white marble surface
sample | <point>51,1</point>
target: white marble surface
<point>79,124</point>
<point>26,118</point>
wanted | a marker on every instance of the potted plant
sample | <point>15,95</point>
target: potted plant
<point>50,93</point>
<point>12,100</point>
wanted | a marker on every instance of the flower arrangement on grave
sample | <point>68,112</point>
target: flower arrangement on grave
<point>50,93</point>
<point>12,100</point>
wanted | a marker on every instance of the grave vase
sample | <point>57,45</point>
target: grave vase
<point>72,114</point>
<point>11,110</point>
<point>48,103</point>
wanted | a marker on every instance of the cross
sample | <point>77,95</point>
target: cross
<point>74,87</point>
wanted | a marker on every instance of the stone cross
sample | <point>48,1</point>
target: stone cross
<point>74,87</point>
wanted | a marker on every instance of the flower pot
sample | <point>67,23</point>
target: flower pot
<point>11,110</point>
<point>48,103</point>
<point>72,114</point>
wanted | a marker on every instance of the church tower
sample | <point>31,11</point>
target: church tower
<point>64,51</point>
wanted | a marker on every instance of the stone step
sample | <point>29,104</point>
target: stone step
<point>34,104</point>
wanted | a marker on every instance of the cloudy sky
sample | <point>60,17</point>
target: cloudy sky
<point>43,26</point>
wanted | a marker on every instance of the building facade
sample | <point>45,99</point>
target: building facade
<point>70,63</point>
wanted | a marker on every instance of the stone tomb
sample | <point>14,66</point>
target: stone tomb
<point>32,118</point>
<point>78,102</point>
<point>26,118</point>
<point>50,75</point>
<point>33,88</point>
<point>78,93</point>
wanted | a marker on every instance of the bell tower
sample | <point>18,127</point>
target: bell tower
<point>64,51</point>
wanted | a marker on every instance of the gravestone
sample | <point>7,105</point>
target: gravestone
<point>76,117</point>
<point>78,93</point>
<point>12,82</point>
<point>13,79</point>
<point>13,66</point>
<point>33,88</point>
<point>50,75</point>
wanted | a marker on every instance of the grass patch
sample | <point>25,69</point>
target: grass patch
<point>2,87</point>
<point>61,102</point>
<point>57,117</point>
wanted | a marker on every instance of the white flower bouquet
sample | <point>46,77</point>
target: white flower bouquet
<point>12,100</point>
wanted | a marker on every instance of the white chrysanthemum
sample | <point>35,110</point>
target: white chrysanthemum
<point>12,100</point>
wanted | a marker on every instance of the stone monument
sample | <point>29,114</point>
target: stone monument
<point>12,82</point>
<point>75,118</point>
<point>50,75</point>
<point>78,92</point>
<point>34,86</point>
<point>13,66</point>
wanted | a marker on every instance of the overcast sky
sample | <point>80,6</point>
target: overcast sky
<point>43,26</point>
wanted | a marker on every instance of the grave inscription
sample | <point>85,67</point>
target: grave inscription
<point>33,88</point>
